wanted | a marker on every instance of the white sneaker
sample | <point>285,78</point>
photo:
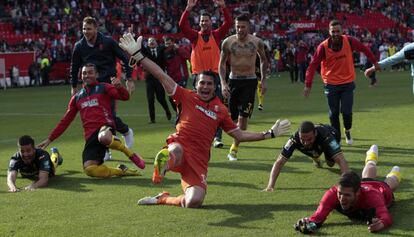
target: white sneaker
<point>395,169</point>
<point>232,156</point>
<point>152,200</point>
<point>348,138</point>
<point>129,138</point>
<point>108,155</point>
<point>218,143</point>
<point>373,149</point>
<point>372,154</point>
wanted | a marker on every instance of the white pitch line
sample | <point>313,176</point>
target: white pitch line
<point>7,140</point>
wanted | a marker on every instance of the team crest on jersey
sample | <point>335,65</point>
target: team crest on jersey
<point>90,103</point>
<point>207,112</point>
<point>334,145</point>
<point>216,108</point>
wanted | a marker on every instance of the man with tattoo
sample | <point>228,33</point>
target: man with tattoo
<point>242,49</point>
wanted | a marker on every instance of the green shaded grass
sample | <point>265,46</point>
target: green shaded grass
<point>76,205</point>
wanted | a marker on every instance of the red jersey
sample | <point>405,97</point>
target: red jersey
<point>205,46</point>
<point>320,56</point>
<point>373,195</point>
<point>95,104</point>
<point>197,125</point>
<point>199,120</point>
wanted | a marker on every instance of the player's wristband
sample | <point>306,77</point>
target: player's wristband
<point>136,58</point>
<point>268,134</point>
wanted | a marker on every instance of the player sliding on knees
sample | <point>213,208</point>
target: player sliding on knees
<point>93,102</point>
<point>188,150</point>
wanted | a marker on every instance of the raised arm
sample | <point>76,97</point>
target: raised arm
<point>222,31</point>
<point>184,23</point>
<point>128,43</point>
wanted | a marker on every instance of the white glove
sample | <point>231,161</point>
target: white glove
<point>279,128</point>
<point>128,44</point>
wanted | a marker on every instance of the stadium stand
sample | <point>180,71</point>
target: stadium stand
<point>51,27</point>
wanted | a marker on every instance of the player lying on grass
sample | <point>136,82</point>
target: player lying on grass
<point>94,102</point>
<point>32,163</point>
<point>188,150</point>
<point>367,199</point>
<point>312,141</point>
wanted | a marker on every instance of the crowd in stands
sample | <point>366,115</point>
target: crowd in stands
<point>51,27</point>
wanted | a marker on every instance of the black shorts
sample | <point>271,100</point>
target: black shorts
<point>93,149</point>
<point>241,101</point>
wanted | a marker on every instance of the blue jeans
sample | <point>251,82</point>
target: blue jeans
<point>340,99</point>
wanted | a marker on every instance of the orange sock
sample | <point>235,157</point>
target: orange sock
<point>173,201</point>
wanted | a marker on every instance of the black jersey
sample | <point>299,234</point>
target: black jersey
<point>326,141</point>
<point>41,162</point>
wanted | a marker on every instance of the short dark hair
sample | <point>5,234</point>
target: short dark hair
<point>306,126</point>
<point>206,14</point>
<point>168,38</point>
<point>350,179</point>
<point>26,140</point>
<point>90,20</point>
<point>242,17</point>
<point>207,73</point>
<point>335,23</point>
<point>90,65</point>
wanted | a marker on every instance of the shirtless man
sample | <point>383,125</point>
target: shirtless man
<point>241,50</point>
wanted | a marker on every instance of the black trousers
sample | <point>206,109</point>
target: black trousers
<point>155,90</point>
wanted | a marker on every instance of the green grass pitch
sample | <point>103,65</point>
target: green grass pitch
<point>76,205</point>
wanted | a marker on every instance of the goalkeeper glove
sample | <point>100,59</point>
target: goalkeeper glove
<point>305,226</point>
<point>279,128</point>
<point>128,43</point>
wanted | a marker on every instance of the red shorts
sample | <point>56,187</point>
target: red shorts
<point>194,164</point>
